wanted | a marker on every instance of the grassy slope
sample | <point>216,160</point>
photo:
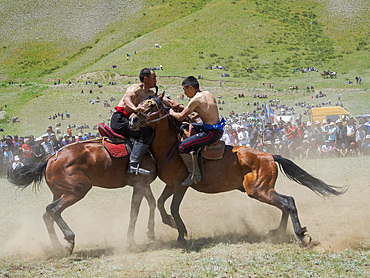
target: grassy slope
<point>272,36</point>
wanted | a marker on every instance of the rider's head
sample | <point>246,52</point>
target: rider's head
<point>191,81</point>
<point>146,72</point>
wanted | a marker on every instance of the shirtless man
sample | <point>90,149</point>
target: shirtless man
<point>129,104</point>
<point>120,119</point>
<point>208,132</point>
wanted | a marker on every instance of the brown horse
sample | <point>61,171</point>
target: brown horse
<point>242,168</point>
<point>70,174</point>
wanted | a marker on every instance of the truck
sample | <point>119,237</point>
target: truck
<point>325,113</point>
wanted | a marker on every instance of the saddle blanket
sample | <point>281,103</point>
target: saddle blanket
<point>115,150</point>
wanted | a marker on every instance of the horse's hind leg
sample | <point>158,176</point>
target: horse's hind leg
<point>49,222</point>
<point>55,210</point>
<point>148,194</point>
<point>166,218</point>
<point>287,205</point>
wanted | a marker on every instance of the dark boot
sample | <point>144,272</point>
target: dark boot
<point>194,173</point>
<point>137,154</point>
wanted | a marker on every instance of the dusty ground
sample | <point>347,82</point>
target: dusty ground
<point>101,219</point>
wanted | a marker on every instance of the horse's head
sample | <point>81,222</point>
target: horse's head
<point>151,109</point>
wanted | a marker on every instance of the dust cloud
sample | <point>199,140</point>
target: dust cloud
<point>101,219</point>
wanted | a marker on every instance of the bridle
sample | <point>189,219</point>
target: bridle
<point>160,111</point>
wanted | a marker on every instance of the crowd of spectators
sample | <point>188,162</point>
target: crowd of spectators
<point>17,150</point>
<point>300,140</point>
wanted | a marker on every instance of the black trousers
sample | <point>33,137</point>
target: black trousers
<point>121,125</point>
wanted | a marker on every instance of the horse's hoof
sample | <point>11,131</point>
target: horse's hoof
<point>69,247</point>
<point>306,240</point>
<point>181,242</point>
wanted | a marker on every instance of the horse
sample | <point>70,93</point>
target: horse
<point>73,170</point>
<point>241,168</point>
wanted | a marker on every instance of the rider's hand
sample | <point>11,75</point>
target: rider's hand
<point>171,112</point>
<point>138,109</point>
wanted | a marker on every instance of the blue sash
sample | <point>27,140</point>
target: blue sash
<point>219,126</point>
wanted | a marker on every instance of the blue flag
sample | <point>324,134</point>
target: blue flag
<point>266,113</point>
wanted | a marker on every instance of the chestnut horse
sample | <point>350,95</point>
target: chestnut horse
<point>242,168</point>
<point>73,171</point>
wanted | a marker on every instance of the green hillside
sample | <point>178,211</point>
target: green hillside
<point>43,41</point>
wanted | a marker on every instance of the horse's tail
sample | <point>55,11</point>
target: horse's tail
<point>23,176</point>
<point>297,174</point>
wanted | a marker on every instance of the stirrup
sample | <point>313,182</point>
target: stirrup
<point>137,170</point>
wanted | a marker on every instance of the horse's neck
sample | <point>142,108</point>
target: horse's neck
<point>164,141</point>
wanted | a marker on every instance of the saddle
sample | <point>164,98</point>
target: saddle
<point>116,144</point>
<point>214,151</point>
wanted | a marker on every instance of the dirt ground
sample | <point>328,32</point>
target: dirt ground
<point>101,218</point>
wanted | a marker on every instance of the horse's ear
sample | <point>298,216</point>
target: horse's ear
<point>161,95</point>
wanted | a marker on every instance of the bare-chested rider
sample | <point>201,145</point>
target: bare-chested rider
<point>129,104</point>
<point>208,132</point>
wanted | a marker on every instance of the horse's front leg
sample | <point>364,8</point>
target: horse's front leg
<point>148,194</point>
<point>166,218</point>
<point>178,195</point>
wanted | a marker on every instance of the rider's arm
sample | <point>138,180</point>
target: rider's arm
<point>127,99</point>
<point>173,104</point>
<point>180,116</point>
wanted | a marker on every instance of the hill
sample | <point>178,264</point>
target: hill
<point>43,41</point>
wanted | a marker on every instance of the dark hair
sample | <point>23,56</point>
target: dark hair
<point>145,72</point>
<point>191,81</point>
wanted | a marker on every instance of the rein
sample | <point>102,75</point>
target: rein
<point>148,115</point>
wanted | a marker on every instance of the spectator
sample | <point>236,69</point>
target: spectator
<point>340,134</point>
<point>343,150</point>
<point>47,145</point>
<point>27,152</point>
<point>56,143</point>
<point>234,138</point>
<point>326,149</point>
<point>332,134</point>
<point>243,136</point>
<point>38,151</point>
<point>350,132</point>
<point>317,134</point>
<point>268,133</point>
<point>66,140</point>
<point>366,145</point>
<point>252,135</point>
<point>227,136</point>
<point>360,138</point>
<point>7,159</point>
<point>313,150</point>
<point>290,135</point>
<point>17,162</point>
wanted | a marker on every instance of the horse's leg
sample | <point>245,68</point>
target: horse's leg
<point>55,210</point>
<point>260,186</point>
<point>137,197</point>
<point>287,205</point>
<point>49,222</point>
<point>166,218</point>
<point>148,194</point>
<point>178,195</point>
<point>281,230</point>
